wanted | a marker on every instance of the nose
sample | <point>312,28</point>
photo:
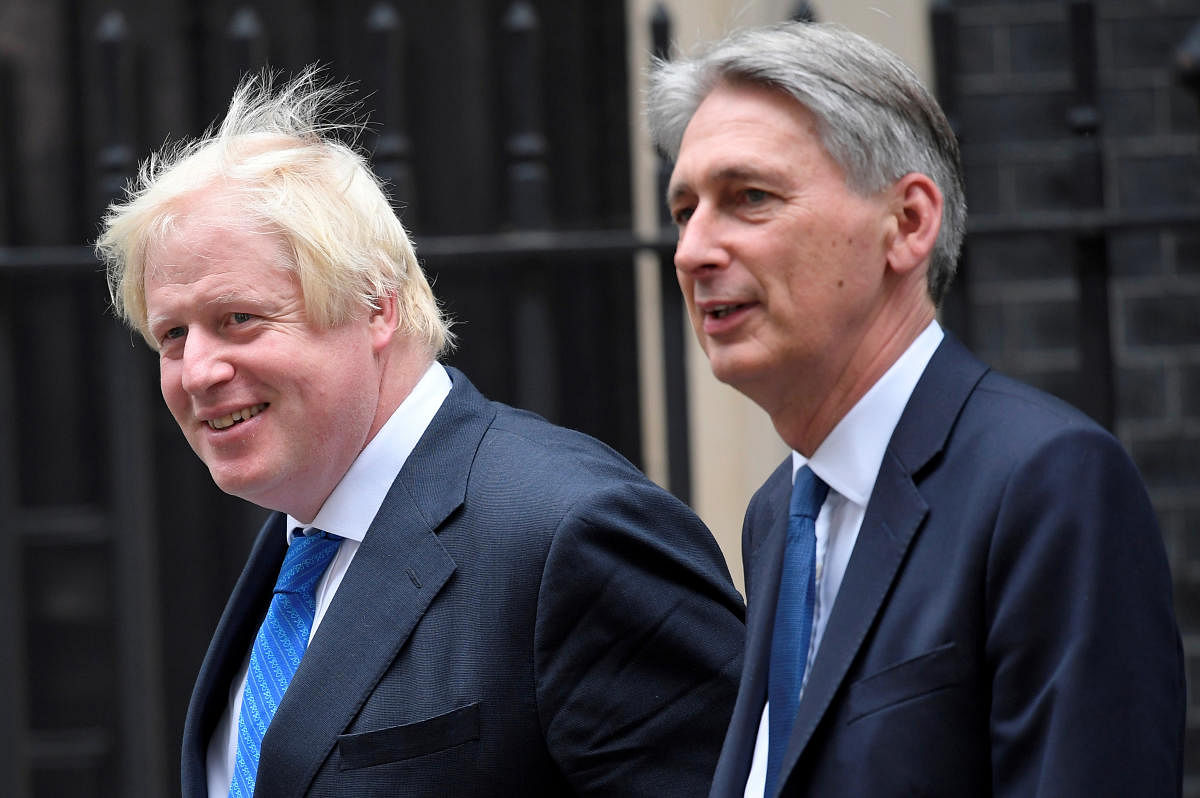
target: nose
<point>205,362</point>
<point>699,247</point>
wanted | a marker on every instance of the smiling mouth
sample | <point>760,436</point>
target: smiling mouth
<point>236,417</point>
<point>721,311</point>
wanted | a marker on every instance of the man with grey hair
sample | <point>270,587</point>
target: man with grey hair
<point>956,584</point>
<point>452,597</point>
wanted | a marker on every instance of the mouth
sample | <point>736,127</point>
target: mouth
<point>721,311</point>
<point>236,417</point>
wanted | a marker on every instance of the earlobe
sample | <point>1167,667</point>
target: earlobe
<point>917,209</point>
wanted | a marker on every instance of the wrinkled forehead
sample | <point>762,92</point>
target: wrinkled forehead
<point>740,123</point>
<point>758,105</point>
<point>209,225</point>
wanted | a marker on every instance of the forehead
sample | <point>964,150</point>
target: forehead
<point>213,232</point>
<point>206,262</point>
<point>740,126</point>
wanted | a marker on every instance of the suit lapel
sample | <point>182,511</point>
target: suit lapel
<point>893,518</point>
<point>763,544</point>
<point>397,572</point>
<point>228,649</point>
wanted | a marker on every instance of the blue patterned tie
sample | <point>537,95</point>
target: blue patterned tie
<point>793,617</point>
<point>278,648</point>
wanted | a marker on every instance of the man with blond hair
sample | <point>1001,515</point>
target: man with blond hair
<point>452,597</point>
<point>955,584</point>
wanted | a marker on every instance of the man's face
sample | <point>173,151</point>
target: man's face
<point>276,407</point>
<point>780,263</point>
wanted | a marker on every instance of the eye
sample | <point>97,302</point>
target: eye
<point>174,333</point>
<point>754,196</point>
<point>682,214</point>
<point>240,318</point>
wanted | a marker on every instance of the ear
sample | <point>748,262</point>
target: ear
<point>917,210</point>
<point>384,321</point>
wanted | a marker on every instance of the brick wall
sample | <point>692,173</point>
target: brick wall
<point>1013,88</point>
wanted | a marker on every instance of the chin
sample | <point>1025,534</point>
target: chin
<point>241,485</point>
<point>729,369</point>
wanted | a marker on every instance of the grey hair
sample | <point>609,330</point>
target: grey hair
<point>278,155</point>
<point>874,117</point>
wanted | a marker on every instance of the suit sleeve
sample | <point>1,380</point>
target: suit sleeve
<point>1084,652</point>
<point>638,646</point>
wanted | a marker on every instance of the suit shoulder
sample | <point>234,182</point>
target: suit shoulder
<point>767,493</point>
<point>1026,416</point>
<point>765,507</point>
<point>1008,395</point>
<point>1006,426</point>
<point>563,463</point>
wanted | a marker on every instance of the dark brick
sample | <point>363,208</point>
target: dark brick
<point>1050,324</point>
<point>1066,384</point>
<point>1169,463</point>
<point>993,4</point>
<point>1162,320</point>
<point>1147,42</point>
<point>1187,609</point>
<point>1045,185</point>
<point>983,187</point>
<point>976,49</point>
<point>1183,109</point>
<point>1188,529</point>
<point>1135,253</point>
<point>988,330</point>
<point>1020,256</point>
<point>1141,392</point>
<point>1150,126</point>
<point>1042,47</point>
<point>1173,540</point>
<point>1187,522</point>
<point>1158,181</point>
<point>1189,394</point>
<point>1191,742</point>
<point>1187,252</point>
<point>1127,112</point>
<point>1193,673</point>
<point>1039,116</point>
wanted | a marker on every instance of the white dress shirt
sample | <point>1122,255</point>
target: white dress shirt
<point>848,460</point>
<point>348,513</point>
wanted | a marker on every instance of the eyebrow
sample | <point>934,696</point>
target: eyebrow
<point>221,299</point>
<point>153,321</point>
<point>726,174</point>
<point>225,298</point>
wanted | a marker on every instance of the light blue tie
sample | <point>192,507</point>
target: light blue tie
<point>793,617</point>
<point>278,647</point>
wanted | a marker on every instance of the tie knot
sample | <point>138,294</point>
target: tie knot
<point>808,494</point>
<point>306,560</point>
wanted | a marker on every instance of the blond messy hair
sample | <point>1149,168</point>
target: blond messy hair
<point>278,156</point>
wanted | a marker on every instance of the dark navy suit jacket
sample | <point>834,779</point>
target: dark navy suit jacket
<point>1004,626</point>
<point>527,615</point>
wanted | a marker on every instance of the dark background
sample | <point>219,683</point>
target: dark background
<point>118,552</point>
<point>1082,275</point>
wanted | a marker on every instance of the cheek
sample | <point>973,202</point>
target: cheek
<point>695,317</point>
<point>169,383</point>
<point>685,286</point>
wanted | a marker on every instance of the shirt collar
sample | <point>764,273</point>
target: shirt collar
<point>849,458</point>
<point>350,509</point>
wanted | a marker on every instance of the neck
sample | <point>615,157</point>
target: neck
<point>405,362</point>
<point>809,409</point>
